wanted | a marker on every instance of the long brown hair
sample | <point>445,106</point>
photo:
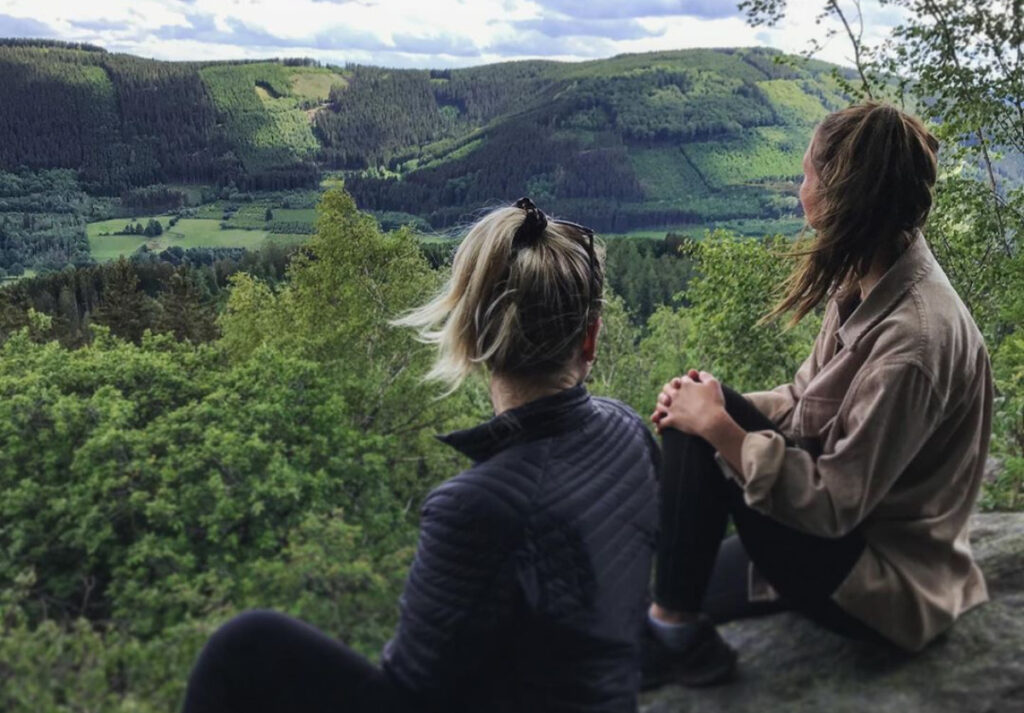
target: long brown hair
<point>876,167</point>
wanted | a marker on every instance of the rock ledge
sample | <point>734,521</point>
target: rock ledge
<point>789,664</point>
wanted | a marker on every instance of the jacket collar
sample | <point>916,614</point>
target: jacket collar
<point>915,262</point>
<point>542,417</point>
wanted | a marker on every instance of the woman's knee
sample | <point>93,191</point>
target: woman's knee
<point>224,668</point>
<point>246,633</point>
<point>743,412</point>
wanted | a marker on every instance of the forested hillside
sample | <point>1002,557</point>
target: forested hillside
<point>638,140</point>
<point>633,141</point>
<point>123,121</point>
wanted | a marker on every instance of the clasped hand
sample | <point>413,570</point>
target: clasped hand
<point>690,403</point>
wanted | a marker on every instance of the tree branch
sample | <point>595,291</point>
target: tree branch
<point>942,23</point>
<point>855,40</point>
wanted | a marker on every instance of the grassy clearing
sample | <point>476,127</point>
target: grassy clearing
<point>792,102</point>
<point>298,215</point>
<point>186,233</point>
<point>199,233</point>
<point>111,247</point>
<point>665,174</point>
<point>316,84</point>
<point>253,216</point>
<point>98,229</point>
<point>759,154</point>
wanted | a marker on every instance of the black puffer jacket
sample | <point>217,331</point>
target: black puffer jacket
<point>529,585</point>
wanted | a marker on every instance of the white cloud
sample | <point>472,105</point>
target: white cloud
<point>420,33</point>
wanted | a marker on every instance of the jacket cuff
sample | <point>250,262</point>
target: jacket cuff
<point>772,405</point>
<point>762,456</point>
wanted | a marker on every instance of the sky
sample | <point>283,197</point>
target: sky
<point>420,33</point>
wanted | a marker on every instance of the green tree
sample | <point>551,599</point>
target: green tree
<point>716,329</point>
<point>343,288</point>
<point>153,228</point>
<point>176,484</point>
<point>183,310</point>
<point>124,307</point>
<point>737,282</point>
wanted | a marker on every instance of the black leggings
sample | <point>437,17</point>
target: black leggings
<point>695,572</point>
<point>265,662</point>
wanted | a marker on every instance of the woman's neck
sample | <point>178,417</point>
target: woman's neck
<point>883,261</point>
<point>509,392</point>
<point>867,282</point>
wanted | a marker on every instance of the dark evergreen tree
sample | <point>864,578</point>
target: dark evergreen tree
<point>183,310</point>
<point>124,308</point>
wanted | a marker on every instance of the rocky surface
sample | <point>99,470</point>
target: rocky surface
<point>789,664</point>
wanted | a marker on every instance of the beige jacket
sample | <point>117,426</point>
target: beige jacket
<point>893,408</point>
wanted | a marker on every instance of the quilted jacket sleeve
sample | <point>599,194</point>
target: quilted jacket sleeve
<point>460,593</point>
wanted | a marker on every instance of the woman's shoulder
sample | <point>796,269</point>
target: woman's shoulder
<point>492,494</point>
<point>930,330</point>
<point>618,411</point>
<point>630,420</point>
<point>501,488</point>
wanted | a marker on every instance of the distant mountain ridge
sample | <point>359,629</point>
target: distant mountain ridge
<point>632,141</point>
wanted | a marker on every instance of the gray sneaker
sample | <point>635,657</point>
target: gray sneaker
<point>705,660</point>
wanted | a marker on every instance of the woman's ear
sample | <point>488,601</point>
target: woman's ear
<point>590,341</point>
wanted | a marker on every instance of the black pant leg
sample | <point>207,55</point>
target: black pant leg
<point>695,505</point>
<point>266,662</point>
<point>693,517</point>
<point>803,568</point>
<point>727,597</point>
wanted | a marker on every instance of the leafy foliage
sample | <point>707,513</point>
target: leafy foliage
<point>172,291</point>
<point>42,219</point>
<point>713,326</point>
<point>174,483</point>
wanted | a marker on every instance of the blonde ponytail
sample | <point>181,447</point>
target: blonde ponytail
<point>516,306</point>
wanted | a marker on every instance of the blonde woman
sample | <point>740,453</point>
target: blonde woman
<point>528,589</point>
<point>850,487</point>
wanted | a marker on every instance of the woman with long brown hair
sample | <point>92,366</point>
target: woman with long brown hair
<point>851,487</point>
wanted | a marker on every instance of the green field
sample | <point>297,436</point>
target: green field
<point>793,101</point>
<point>186,233</point>
<point>758,154</point>
<point>299,215</point>
<point>98,228</point>
<point>247,228</point>
<point>313,83</point>
<point>254,216</point>
<point>666,175</point>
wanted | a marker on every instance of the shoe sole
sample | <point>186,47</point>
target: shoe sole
<point>714,676</point>
<point>721,673</point>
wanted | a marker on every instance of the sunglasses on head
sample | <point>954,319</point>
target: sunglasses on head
<point>533,228</point>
